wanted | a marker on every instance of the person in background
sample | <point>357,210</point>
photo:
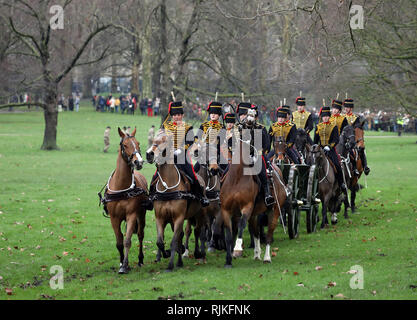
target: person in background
<point>106,139</point>
<point>77,103</point>
<point>70,103</point>
<point>150,108</point>
<point>117,104</point>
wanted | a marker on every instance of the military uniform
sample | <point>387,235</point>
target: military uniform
<point>243,108</point>
<point>303,119</point>
<point>338,119</point>
<point>355,121</point>
<point>211,130</point>
<point>288,131</point>
<point>182,137</point>
<point>327,134</point>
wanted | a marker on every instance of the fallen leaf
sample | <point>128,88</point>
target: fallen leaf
<point>87,260</point>
<point>331,284</point>
<point>273,254</point>
<point>319,268</point>
<point>300,284</point>
<point>65,253</point>
<point>295,273</point>
<point>9,291</point>
<point>373,292</point>
<point>352,272</point>
<point>339,295</point>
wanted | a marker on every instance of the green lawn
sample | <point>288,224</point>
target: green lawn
<point>49,215</point>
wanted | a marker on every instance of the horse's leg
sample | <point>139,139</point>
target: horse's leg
<point>228,237</point>
<point>130,222</point>
<point>254,229</point>
<point>197,233</point>
<point>180,249</point>
<point>178,233</point>
<point>347,206</point>
<point>272,224</point>
<point>160,227</point>
<point>141,235</point>
<point>211,229</point>
<point>246,212</point>
<point>324,220</point>
<point>187,238</point>
<point>353,198</point>
<point>115,222</point>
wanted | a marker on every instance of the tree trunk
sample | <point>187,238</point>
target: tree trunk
<point>137,60</point>
<point>51,118</point>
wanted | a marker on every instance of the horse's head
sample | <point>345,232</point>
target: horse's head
<point>158,147</point>
<point>130,149</point>
<point>314,153</point>
<point>301,139</point>
<point>280,148</point>
<point>348,137</point>
<point>359,140</point>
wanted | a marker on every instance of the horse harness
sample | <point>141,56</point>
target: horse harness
<point>118,195</point>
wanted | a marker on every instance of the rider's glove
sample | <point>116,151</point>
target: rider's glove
<point>177,152</point>
<point>327,148</point>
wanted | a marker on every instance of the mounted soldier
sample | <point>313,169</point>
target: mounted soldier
<point>356,122</point>
<point>336,117</point>
<point>244,119</point>
<point>302,118</point>
<point>182,137</point>
<point>287,130</point>
<point>211,130</point>
<point>327,136</point>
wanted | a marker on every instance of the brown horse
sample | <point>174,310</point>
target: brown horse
<point>240,203</point>
<point>280,149</point>
<point>173,202</point>
<point>125,196</point>
<point>329,189</point>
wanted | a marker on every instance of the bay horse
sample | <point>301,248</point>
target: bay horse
<point>280,151</point>
<point>241,202</point>
<point>329,189</point>
<point>203,223</point>
<point>125,197</point>
<point>173,203</point>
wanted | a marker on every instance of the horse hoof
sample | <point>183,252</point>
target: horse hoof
<point>185,254</point>
<point>123,270</point>
<point>211,250</point>
<point>228,266</point>
<point>140,264</point>
<point>237,253</point>
<point>168,270</point>
<point>267,261</point>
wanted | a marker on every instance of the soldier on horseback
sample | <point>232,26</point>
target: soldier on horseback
<point>327,136</point>
<point>302,118</point>
<point>288,131</point>
<point>242,111</point>
<point>337,118</point>
<point>211,130</point>
<point>355,121</point>
<point>182,137</point>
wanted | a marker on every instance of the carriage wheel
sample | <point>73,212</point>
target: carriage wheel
<point>293,212</point>
<point>312,194</point>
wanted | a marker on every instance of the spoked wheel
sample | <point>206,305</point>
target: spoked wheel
<point>312,194</point>
<point>293,212</point>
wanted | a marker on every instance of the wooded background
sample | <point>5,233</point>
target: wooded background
<point>270,50</point>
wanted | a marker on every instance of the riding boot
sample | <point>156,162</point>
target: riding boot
<point>366,169</point>
<point>354,167</point>
<point>339,177</point>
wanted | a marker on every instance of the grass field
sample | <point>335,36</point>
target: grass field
<point>49,215</point>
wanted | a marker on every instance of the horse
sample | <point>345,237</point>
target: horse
<point>329,189</point>
<point>203,225</point>
<point>280,151</point>
<point>173,203</point>
<point>300,143</point>
<point>241,202</point>
<point>125,197</point>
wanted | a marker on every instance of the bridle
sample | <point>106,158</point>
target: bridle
<point>125,156</point>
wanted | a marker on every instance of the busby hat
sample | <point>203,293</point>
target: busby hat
<point>337,104</point>
<point>215,107</point>
<point>229,118</point>
<point>175,107</point>
<point>281,113</point>
<point>300,101</point>
<point>286,109</point>
<point>325,111</point>
<point>348,103</point>
<point>243,108</point>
